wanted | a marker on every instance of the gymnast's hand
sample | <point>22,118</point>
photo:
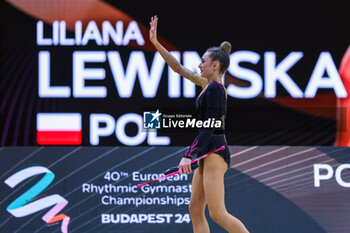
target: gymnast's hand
<point>185,166</point>
<point>153,29</point>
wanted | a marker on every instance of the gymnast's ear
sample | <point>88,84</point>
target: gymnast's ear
<point>216,65</point>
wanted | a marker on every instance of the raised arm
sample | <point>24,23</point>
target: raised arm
<point>171,60</point>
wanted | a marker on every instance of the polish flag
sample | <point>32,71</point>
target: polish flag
<point>58,128</point>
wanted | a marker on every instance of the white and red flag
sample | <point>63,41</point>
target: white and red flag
<point>58,128</point>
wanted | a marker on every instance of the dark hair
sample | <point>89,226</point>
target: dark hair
<point>221,54</point>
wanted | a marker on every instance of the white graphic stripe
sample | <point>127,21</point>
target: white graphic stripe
<point>59,121</point>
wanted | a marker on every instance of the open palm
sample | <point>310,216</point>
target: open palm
<point>153,29</point>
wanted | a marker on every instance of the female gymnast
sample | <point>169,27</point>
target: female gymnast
<point>208,179</point>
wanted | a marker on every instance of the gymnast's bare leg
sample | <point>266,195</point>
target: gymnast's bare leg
<point>213,184</point>
<point>198,202</point>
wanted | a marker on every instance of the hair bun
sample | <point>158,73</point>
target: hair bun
<point>226,47</point>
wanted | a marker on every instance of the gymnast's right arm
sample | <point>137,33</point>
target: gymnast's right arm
<point>171,60</point>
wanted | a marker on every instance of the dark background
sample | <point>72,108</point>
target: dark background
<point>259,26</point>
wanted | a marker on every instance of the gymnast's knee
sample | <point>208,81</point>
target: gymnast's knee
<point>217,215</point>
<point>196,207</point>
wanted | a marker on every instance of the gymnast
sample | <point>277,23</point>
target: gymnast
<point>208,179</point>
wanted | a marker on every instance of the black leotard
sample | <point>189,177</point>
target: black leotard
<point>211,103</point>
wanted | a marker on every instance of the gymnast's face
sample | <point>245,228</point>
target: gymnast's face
<point>207,66</point>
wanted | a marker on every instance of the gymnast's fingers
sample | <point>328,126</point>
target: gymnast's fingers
<point>189,170</point>
<point>181,170</point>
